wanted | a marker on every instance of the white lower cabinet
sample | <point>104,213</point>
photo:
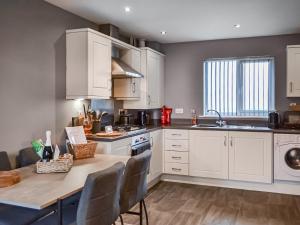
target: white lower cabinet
<point>242,156</point>
<point>176,152</point>
<point>250,156</point>
<point>208,154</point>
<point>156,163</point>
<point>120,147</point>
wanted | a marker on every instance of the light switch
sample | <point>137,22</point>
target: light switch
<point>179,110</point>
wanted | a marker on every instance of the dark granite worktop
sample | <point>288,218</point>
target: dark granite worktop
<point>150,128</point>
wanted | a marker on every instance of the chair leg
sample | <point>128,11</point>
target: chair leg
<point>146,213</point>
<point>141,213</point>
<point>121,219</point>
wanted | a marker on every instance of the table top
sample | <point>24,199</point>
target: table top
<point>38,191</point>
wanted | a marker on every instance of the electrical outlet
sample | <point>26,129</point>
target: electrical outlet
<point>179,110</point>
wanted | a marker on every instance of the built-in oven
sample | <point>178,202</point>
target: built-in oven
<point>140,143</point>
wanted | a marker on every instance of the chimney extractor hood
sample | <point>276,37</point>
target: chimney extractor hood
<point>120,69</point>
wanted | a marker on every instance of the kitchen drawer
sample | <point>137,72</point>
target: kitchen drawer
<point>177,145</point>
<point>176,134</point>
<point>177,168</point>
<point>176,157</point>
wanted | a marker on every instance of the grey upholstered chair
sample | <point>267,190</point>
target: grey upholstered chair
<point>26,157</point>
<point>4,162</point>
<point>99,202</point>
<point>134,185</point>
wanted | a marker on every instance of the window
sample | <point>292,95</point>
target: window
<point>239,87</point>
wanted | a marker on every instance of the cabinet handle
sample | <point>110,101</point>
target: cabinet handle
<point>176,134</point>
<point>151,141</point>
<point>176,157</point>
<point>231,142</point>
<point>176,169</point>
<point>225,141</point>
<point>291,87</point>
<point>176,145</point>
<point>133,87</point>
<point>149,99</point>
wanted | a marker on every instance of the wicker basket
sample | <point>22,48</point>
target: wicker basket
<point>62,165</point>
<point>83,151</point>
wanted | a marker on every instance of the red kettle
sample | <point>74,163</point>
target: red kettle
<point>165,115</point>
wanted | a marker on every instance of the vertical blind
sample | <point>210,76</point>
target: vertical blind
<point>239,87</point>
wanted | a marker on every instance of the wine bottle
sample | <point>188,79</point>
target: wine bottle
<point>48,151</point>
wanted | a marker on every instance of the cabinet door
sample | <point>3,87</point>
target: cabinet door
<point>161,81</point>
<point>99,66</point>
<point>208,154</point>
<point>156,164</point>
<point>153,87</point>
<point>250,156</point>
<point>293,72</point>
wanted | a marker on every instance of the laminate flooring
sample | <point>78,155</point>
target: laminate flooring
<point>184,204</point>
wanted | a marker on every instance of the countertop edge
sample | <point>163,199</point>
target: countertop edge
<point>153,128</point>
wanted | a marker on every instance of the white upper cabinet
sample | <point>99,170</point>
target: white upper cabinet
<point>151,86</point>
<point>88,60</point>
<point>208,154</point>
<point>293,71</point>
<point>250,156</point>
<point>129,88</point>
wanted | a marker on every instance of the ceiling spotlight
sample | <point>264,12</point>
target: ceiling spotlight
<point>127,9</point>
<point>163,32</point>
<point>237,25</point>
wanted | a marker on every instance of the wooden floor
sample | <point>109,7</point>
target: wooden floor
<point>184,204</point>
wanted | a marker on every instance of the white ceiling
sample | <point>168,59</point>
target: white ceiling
<point>191,20</point>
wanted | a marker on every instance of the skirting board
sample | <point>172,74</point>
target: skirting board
<point>292,188</point>
<point>154,182</point>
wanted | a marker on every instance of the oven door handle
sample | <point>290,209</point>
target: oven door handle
<point>141,146</point>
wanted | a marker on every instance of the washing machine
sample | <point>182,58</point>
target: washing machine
<point>287,157</point>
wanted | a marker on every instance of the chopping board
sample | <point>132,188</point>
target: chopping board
<point>113,134</point>
<point>9,178</point>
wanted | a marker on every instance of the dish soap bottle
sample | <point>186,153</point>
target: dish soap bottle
<point>48,151</point>
<point>194,117</point>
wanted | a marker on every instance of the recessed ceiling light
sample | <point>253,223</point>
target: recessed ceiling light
<point>127,9</point>
<point>237,25</point>
<point>163,32</point>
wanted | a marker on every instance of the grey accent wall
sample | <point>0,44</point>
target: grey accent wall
<point>32,72</point>
<point>184,68</point>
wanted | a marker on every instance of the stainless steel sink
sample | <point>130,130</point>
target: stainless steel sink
<point>229,127</point>
<point>205,125</point>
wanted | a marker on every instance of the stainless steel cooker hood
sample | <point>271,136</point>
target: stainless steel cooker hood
<point>120,69</point>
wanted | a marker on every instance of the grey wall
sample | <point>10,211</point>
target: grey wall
<point>32,72</point>
<point>184,70</point>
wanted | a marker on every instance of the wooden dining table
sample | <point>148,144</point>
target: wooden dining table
<point>38,191</point>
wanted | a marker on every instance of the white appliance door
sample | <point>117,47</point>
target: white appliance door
<point>289,159</point>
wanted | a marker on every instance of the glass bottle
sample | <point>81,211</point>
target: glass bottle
<point>48,151</point>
